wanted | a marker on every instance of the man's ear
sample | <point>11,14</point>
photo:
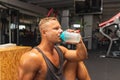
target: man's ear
<point>44,32</point>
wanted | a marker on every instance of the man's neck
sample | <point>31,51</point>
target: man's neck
<point>46,46</point>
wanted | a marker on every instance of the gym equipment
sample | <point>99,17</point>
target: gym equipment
<point>114,25</point>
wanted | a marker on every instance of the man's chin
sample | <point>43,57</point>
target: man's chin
<point>59,41</point>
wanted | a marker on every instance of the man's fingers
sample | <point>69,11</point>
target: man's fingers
<point>72,30</point>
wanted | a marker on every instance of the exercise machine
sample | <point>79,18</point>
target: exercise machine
<point>112,24</point>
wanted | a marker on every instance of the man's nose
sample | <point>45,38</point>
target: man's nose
<point>60,30</point>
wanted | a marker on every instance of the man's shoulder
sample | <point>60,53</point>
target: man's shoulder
<point>29,60</point>
<point>31,55</point>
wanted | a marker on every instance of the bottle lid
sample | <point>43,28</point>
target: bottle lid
<point>62,36</point>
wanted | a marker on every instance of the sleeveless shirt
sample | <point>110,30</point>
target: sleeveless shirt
<point>53,72</point>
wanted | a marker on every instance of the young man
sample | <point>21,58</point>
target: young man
<point>45,62</point>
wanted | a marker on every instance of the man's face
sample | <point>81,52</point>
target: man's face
<point>53,31</point>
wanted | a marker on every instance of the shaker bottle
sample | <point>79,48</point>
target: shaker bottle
<point>70,37</point>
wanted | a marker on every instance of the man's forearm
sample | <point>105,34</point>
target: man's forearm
<point>81,50</point>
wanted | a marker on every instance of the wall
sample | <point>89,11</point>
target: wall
<point>110,8</point>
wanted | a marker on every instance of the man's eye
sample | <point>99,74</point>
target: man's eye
<point>56,28</point>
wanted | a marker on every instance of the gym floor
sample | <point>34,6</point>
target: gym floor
<point>102,68</point>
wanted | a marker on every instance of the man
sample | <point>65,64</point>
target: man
<point>45,62</point>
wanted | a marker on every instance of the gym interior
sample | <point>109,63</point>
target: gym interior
<point>97,20</point>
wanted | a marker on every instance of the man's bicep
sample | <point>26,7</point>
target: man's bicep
<point>25,73</point>
<point>71,55</point>
<point>27,67</point>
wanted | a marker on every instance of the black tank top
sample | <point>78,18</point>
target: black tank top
<point>53,72</point>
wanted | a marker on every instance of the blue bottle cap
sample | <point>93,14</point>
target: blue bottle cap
<point>62,36</point>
